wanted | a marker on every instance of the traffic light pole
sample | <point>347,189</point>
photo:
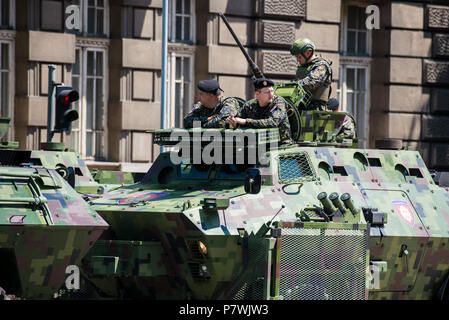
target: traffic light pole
<point>51,102</point>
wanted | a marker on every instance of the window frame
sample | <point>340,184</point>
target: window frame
<point>9,40</point>
<point>355,62</point>
<point>11,15</point>
<point>344,30</point>
<point>82,121</point>
<point>85,10</point>
<point>362,128</point>
<point>171,85</point>
<point>172,24</point>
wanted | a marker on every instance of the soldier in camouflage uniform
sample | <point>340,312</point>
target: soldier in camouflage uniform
<point>265,111</point>
<point>347,130</point>
<point>212,109</point>
<point>314,73</point>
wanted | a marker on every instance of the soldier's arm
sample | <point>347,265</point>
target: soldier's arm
<point>230,107</point>
<point>243,113</point>
<point>194,115</point>
<point>272,121</point>
<point>316,78</point>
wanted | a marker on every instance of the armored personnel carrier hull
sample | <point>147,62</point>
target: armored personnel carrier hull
<point>315,221</point>
<point>45,229</point>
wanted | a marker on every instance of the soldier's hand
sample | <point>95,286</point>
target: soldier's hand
<point>230,119</point>
<point>240,120</point>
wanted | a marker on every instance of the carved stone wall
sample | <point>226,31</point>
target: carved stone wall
<point>291,8</point>
<point>435,127</point>
<point>441,45</point>
<point>280,33</point>
<point>436,72</point>
<point>439,155</point>
<point>437,17</point>
<point>436,75</point>
<point>277,63</point>
<point>439,100</point>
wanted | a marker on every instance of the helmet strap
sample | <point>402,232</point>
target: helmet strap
<point>307,57</point>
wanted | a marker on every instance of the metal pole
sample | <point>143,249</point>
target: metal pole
<point>164,64</point>
<point>51,102</point>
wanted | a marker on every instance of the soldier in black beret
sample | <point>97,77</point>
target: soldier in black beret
<point>213,108</point>
<point>265,111</point>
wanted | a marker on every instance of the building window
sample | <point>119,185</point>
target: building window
<point>5,13</point>
<point>357,39</point>
<point>95,17</point>
<point>5,79</point>
<point>180,87</point>
<point>72,26</point>
<point>51,15</point>
<point>182,21</point>
<point>354,96</point>
<point>353,90</point>
<point>88,77</point>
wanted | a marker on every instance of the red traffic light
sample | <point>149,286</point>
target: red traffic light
<point>64,114</point>
<point>68,96</point>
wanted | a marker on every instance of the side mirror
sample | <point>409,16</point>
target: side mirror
<point>253,181</point>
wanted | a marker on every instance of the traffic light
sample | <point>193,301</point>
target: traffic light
<point>64,114</point>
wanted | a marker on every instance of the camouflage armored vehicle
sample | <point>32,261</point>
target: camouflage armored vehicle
<point>45,229</point>
<point>45,225</point>
<point>317,219</point>
<point>68,164</point>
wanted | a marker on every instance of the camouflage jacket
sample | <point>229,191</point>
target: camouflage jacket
<point>271,116</point>
<point>316,77</point>
<point>224,108</point>
<point>348,128</point>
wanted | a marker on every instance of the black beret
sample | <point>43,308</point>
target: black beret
<point>262,83</point>
<point>332,104</point>
<point>210,86</point>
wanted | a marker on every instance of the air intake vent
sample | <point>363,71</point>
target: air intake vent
<point>195,250</point>
<point>199,271</point>
<point>295,167</point>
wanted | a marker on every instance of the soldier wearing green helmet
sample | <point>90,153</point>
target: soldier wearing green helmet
<point>313,74</point>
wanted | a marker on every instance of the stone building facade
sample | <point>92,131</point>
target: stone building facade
<point>395,79</point>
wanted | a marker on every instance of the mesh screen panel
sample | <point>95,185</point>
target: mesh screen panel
<point>322,264</point>
<point>252,284</point>
<point>295,168</point>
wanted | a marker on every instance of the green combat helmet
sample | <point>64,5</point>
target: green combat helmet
<point>301,46</point>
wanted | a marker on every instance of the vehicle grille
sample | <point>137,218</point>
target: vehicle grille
<point>295,168</point>
<point>323,264</point>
